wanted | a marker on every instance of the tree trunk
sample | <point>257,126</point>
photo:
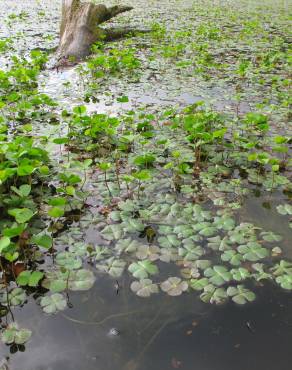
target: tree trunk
<point>79,28</point>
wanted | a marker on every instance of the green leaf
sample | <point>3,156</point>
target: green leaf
<point>285,281</point>
<point>282,268</point>
<point>112,232</point>
<point>53,303</point>
<point>30,278</point>
<point>212,294</point>
<point>56,212</point>
<point>232,257</point>
<point>81,280</point>
<point>260,273</point>
<point>253,251</point>
<point>68,260</point>
<point>142,269</point>
<point>240,294</point>
<point>114,267</point>
<point>240,274</point>
<point>218,275</point>
<point>271,237</point>
<point>44,241</point>
<point>191,253</point>
<point>23,191</point>
<point>284,209</point>
<point>21,215</point>
<point>15,298</point>
<point>169,241</point>
<point>199,284</point>
<point>14,334</point>
<point>4,243</point>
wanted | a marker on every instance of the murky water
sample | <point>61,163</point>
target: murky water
<point>158,333</point>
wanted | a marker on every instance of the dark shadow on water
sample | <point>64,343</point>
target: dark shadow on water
<point>159,333</point>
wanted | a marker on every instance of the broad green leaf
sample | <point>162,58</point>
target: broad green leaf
<point>240,294</point>
<point>218,275</point>
<point>142,269</point>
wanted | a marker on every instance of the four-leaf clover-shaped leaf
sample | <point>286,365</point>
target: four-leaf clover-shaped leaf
<point>174,286</point>
<point>142,269</point>
<point>144,287</point>
<point>240,294</point>
<point>218,275</point>
<point>253,251</point>
<point>53,303</point>
<point>14,334</point>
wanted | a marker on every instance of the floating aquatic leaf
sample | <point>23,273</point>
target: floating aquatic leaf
<point>169,241</point>
<point>224,223</point>
<point>165,230</point>
<point>81,280</point>
<point>100,253</point>
<point>127,206</point>
<point>240,294</point>
<point>200,215</point>
<point>183,231</point>
<point>14,334</point>
<point>112,266</point>
<point>68,260</point>
<point>168,254</point>
<point>271,237</point>
<point>127,245</point>
<point>202,264</point>
<point>212,294</point>
<point>253,251</point>
<point>205,229</point>
<point>285,281</point>
<point>15,297</point>
<point>199,284</point>
<point>144,287</point>
<point>240,274</point>
<point>190,272</point>
<point>284,209</point>
<point>150,252</point>
<point>191,253</point>
<point>115,216</point>
<point>53,303</point>
<point>142,269</point>
<point>174,286</point>
<point>79,249</point>
<point>260,273</point>
<point>232,257</point>
<point>55,281</point>
<point>216,243</point>
<point>282,268</point>
<point>218,275</point>
<point>132,224</point>
<point>113,232</point>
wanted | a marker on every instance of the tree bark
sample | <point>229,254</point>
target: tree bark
<point>79,28</point>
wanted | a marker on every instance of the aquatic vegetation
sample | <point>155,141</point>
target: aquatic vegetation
<point>164,189</point>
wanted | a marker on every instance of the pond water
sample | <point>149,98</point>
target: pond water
<point>162,333</point>
<point>109,327</point>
